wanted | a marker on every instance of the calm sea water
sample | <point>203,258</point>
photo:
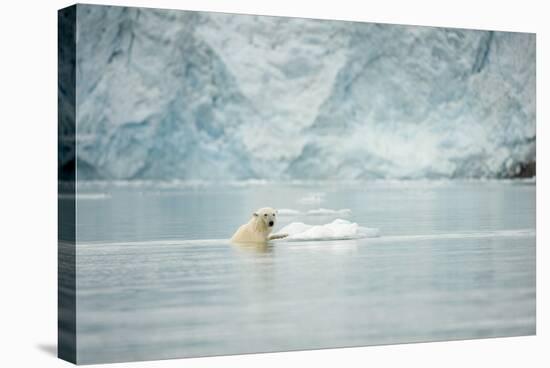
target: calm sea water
<point>156,279</point>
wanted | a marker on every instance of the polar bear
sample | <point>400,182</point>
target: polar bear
<point>259,227</point>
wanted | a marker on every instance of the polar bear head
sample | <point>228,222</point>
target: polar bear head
<point>267,216</point>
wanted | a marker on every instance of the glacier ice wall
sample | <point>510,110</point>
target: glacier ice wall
<point>165,94</point>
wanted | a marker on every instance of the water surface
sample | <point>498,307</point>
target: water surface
<point>157,279</point>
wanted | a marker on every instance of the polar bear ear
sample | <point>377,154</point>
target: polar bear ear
<point>255,214</point>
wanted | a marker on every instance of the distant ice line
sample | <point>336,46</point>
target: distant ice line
<point>182,183</point>
<point>287,212</point>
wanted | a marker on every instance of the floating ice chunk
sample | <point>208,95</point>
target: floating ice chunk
<point>82,196</point>
<point>312,198</point>
<point>315,212</point>
<point>336,230</point>
<point>328,212</point>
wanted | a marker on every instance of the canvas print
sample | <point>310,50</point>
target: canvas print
<point>234,184</point>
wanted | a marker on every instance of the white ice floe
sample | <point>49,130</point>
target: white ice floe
<point>312,198</point>
<point>314,212</point>
<point>328,212</point>
<point>83,196</point>
<point>336,230</point>
<point>288,212</point>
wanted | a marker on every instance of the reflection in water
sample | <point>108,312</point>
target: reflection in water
<point>253,247</point>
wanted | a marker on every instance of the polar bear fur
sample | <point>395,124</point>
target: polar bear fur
<point>259,227</point>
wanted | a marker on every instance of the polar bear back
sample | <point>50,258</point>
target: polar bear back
<point>254,231</point>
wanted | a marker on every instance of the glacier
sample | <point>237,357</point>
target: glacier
<point>170,94</point>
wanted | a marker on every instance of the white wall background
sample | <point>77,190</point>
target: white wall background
<point>28,82</point>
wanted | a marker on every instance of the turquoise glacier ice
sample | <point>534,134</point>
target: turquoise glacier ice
<point>165,94</point>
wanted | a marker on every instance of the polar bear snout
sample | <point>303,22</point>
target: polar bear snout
<point>267,215</point>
